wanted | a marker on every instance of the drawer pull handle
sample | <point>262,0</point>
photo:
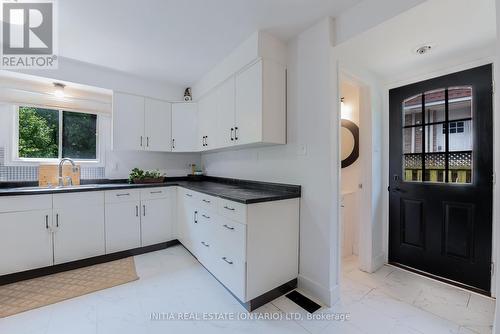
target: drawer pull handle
<point>57,220</point>
<point>120,195</point>
<point>205,244</point>
<point>228,208</point>
<point>206,201</point>
<point>227,261</point>
<point>137,211</point>
<point>228,227</point>
<point>156,192</point>
<point>189,195</point>
<point>205,216</point>
<point>144,210</point>
<point>47,222</point>
<point>196,217</point>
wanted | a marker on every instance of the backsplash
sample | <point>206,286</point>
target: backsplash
<point>30,173</point>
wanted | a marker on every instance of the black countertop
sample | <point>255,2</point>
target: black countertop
<point>242,191</point>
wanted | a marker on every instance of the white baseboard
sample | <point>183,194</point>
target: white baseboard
<point>315,289</point>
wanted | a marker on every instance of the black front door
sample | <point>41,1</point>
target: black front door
<point>441,170</point>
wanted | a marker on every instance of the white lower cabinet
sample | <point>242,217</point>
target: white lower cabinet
<point>123,226</point>
<point>25,240</point>
<point>78,226</point>
<point>139,217</point>
<point>251,249</point>
<point>158,214</point>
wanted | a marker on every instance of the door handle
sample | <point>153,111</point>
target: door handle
<point>141,141</point>
<point>196,217</point>
<point>147,141</point>
<point>57,220</point>
<point>236,133</point>
<point>173,143</point>
<point>206,140</point>
<point>137,210</point>
<point>144,210</point>
<point>47,222</point>
<point>232,129</point>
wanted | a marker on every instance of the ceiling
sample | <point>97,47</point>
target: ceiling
<point>459,31</point>
<point>177,40</point>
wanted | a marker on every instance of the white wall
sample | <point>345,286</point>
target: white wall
<point>118,164</point>
<point>305,160</point>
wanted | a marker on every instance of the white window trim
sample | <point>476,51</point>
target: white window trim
<point>12,157</point>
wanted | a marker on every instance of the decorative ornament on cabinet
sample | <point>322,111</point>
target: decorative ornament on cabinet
<point>187,95</point>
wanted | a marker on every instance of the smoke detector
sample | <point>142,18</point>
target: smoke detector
<point>423,49</point>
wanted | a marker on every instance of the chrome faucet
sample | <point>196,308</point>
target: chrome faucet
<point>60,178</point>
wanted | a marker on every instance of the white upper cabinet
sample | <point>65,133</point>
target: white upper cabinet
<point>158,128</point>
<point>207,122</point>
<point>184,127</point>
<point>128,122</point>
<point>225,113</point>
<point>249,105</point>
<point>141,123</point>
<point>248,93</point>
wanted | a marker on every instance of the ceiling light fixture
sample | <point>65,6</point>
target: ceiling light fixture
<point>59,90</point>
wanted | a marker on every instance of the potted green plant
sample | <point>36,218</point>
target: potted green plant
<point>140,176</point>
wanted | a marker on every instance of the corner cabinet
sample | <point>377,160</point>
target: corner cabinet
<point>184,127</point>
<point>141,123</point>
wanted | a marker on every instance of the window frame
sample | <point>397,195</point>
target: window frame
<point>16,160</point>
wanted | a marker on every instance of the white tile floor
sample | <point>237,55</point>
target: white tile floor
<point>389,301</point>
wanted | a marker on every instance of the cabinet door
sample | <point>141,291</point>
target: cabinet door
<point>158,125</point>
<point>225,114</point>
<point>207,116</point>
<point>123,226</point>
<point>187,218</point>
<point>184,127</point>
<point>128,122</point>
<point>249,105</point>
<point>25,241</point>
<point>157,220</point>
<point>78,226</point>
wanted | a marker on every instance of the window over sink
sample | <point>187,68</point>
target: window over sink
<point>45,134</point>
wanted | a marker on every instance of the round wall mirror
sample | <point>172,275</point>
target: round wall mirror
<point>349,136</point>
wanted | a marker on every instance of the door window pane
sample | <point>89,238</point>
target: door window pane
<point>435,106</point>
<point>412,167</point>
<point>460,103</point>
<point>38,133</point>
<point>412,140</point>
<point>412,108</point>
<point>79,135</point>
<point>460,136</point>
<point>435,138</point>
<point>435,167</point>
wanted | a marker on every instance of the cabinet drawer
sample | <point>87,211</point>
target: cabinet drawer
<point>230,238</point>
<point>75,200</point>
<point>233,210</point>
<point>232,273</point>
<point>25,203</point>
<point>154,193</point>
<point>125,195</point>
<point>188,194</point>
<point>207,201</point>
